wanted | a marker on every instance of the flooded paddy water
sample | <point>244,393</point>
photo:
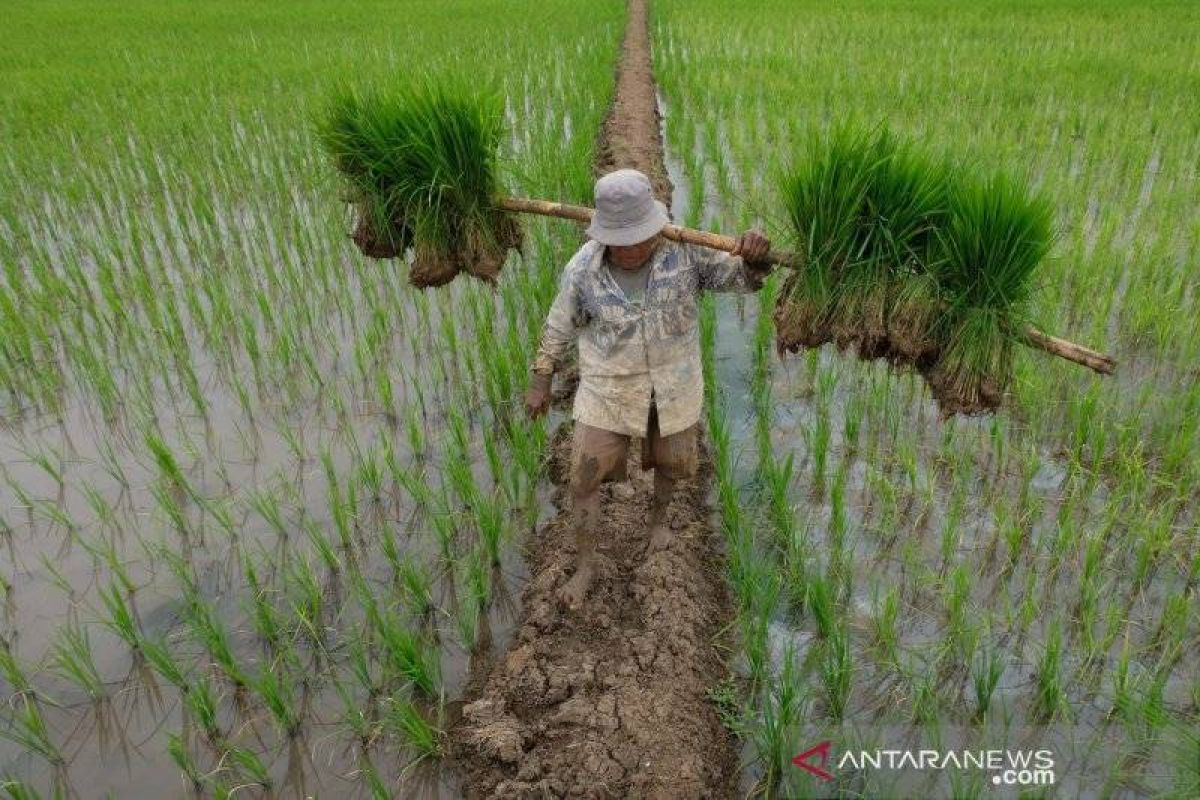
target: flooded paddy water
<point>1026,579</point>
<point>259,499</point>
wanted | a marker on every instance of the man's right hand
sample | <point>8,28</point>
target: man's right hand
<point>537,399</point>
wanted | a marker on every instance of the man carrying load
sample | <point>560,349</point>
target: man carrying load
<point>631,297</point>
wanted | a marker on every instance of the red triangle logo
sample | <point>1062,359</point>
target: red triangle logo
<point>803,760</point>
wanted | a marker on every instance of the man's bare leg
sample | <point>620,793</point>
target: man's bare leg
<point>660,531</point>
<point>585,512</point>
<point>595,454</point>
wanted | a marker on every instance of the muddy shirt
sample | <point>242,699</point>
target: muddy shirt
<point>628,350</point>
<point>632,281</point>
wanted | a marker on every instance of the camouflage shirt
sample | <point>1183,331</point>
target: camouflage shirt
<point>629,351</point>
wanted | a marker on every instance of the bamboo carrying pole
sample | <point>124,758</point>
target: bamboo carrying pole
<point>1076,353</point>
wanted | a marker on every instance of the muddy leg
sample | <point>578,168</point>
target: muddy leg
<point>585,511</point>
<point>675,459</point>
<point>596,452</point>
<point>664,490</point>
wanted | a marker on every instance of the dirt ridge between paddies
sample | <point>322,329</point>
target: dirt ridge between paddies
<point>611,700</point>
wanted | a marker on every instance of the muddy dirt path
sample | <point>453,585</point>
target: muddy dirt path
<point>611,701</point>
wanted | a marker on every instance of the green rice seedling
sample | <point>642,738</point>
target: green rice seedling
<point>775,732</point>
<point>986,670</point>
<point>306,599</point>
<point>72,657</point>
<point>822,604</point>
<point>469,621</point>
<point>357,715</point>
<point>267,621</point>
<point>265,503</point>
<point>374,782</point>
<point>16,675</point>
<point>926,703</point>
<point>121,619</point>
<point>168,467</point>
<point>996,234</point>
<point>884,625</point>
<point>956,595</point>
<point>795,572</point>
<point>490,516</point>
<point>818,439</point>
<point>408,656</point>
<point>27,729</point>
<point>249,766</point>
<point>1049,694</point>
<point>420,164</point>
<point>158,654</point>
<point>276,687</point>
<point>341,510</point>
<point>178,750</point>
<point>202,703</point>
<point>17,790</point>
<point>425,737</point>
<point>210,632</point>
<point>323,547</point>
<point>836,672</point>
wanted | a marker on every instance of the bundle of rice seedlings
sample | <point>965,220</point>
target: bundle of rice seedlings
<point>996,234</point>
<point>904,203</point>
<point>420,166</point>
<point>823,198</point>
<point>863,209</point>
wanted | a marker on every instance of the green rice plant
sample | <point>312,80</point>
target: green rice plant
<point>884,627</point>
<point>158,655</point>
<point>202,703</point>
<point>266,619</point>
<point>210,632</point>
<point>407,655</point>
<point>424,736</point>
<point>276,687</point>
<point>72,657</point>
<point>359,717</point>
<point>836,672</point>
<point>306,599</point>
<point>926,703</point>
<point>420,164</point>
<point>1049,693</point>
<point>818,439</point>
<point>374,782</point>
<point>323,547</point>
<point>122,618</point>
<point>822,604</point>
<point>168,466</point>
<point>986,670</point>
<point>250,766</point>
<point>266,503</point>
<point>16,790</point>
<point>774,733</point>
<point>15,674</point>
<point>177,749</point>
<point>27,729</point>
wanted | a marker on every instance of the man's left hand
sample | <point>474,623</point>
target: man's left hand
<point>753,246</point>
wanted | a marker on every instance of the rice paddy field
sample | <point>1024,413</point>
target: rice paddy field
<point>257,498</point>
<point>260,501</point>
<point>1025,578</point>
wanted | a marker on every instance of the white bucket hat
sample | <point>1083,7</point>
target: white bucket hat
<point>626,211</point>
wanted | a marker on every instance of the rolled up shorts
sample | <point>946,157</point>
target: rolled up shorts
<point>598,455</point>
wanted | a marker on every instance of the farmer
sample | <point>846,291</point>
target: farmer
<point>631,298</point>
